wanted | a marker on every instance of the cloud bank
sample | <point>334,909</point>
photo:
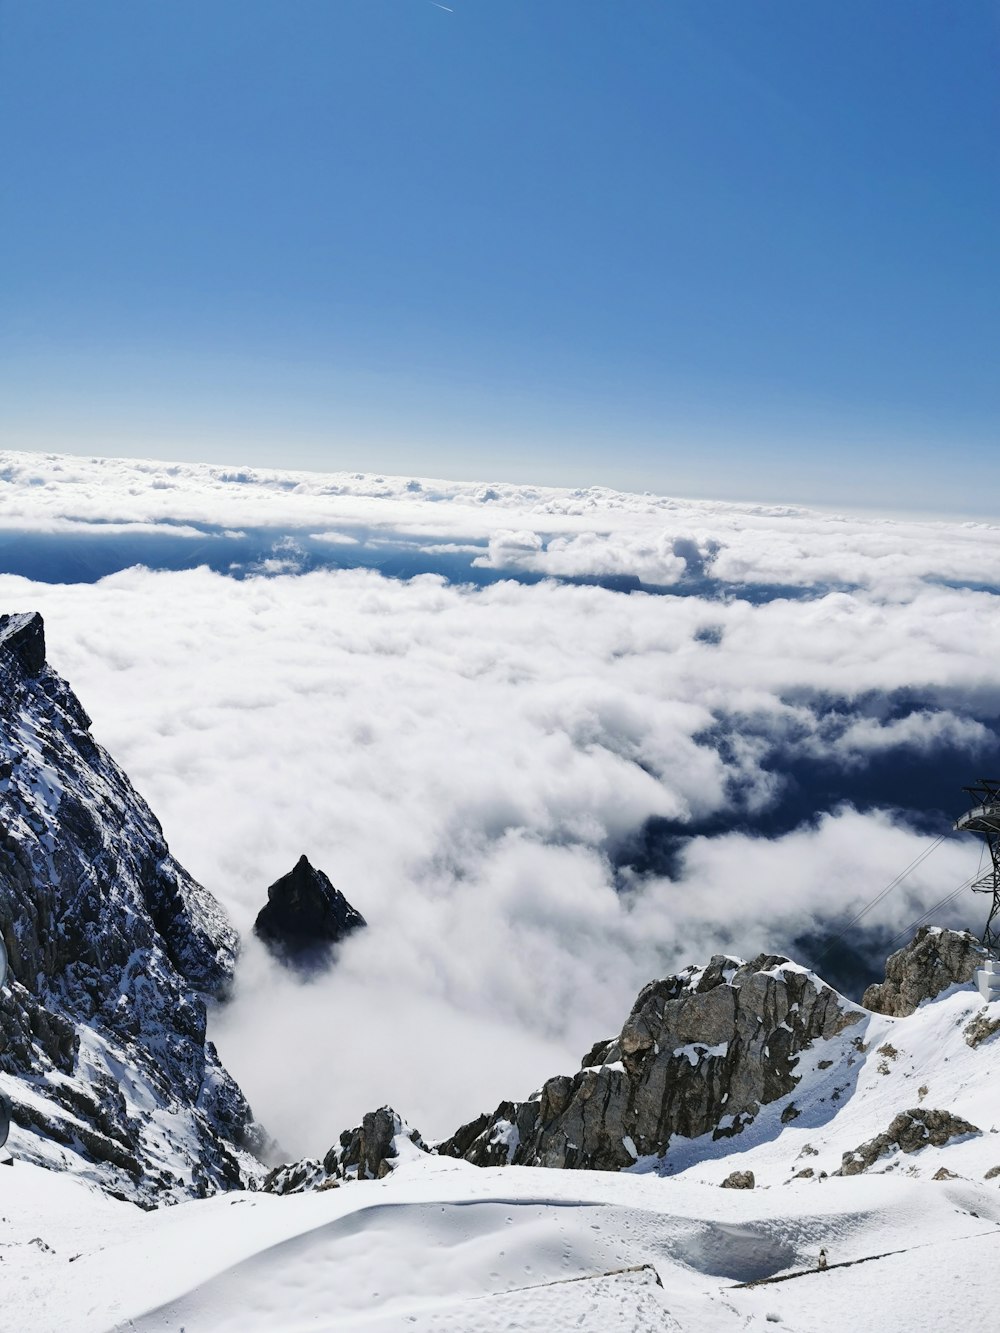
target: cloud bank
<point>540,792</point>
<point>233,519</point>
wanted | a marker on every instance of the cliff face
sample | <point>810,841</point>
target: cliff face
<point>931,962</point>
<point>114,950</point>
<point>700,1053</point>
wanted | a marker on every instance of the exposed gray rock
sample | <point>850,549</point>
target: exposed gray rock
<point>295,1177</point>
<point>305,917</point>
<point>932,961</point>
<point>981,1028</point>
<point>114,951</point>
<point>942,1173</point>
<point>369,1152</point>
<point>700,1053</point>
<point>909,1132</point>
<point>739,1180</point>
<point>22,637</point>
<point>597,1053</point>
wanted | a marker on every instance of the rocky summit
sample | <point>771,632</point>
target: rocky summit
<point>931,962</point>
<point>115,952</point>
<point>305,917</point>
<point>718,1062</point>
<point>703,1056</point>
<point>700,1054</point>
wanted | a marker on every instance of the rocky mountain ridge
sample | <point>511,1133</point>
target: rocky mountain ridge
<point>708,1062</point>
<point>115,952</point>
<point>700,1053</point>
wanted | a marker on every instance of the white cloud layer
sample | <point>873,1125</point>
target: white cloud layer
<point>542,530</point>
<point>467,764</point>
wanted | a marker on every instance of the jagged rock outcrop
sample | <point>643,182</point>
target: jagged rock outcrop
<point>114,951</point>
<point>368,1152</point>
<point>932,961</point>
<point>23,638</point>
<point>981,1029</point>
<point>305,917</point>
<point>296,1177</point>
<point>700,1057</point>
<point>700,1053</point>
<point>909,1132</point>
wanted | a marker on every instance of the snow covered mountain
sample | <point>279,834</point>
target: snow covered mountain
<point>114,952</point>
<point>889,1175</point>
<point>752,1148</point>
<point>708,1062</point>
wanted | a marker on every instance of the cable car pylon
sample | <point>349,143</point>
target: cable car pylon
<point>984,820</point>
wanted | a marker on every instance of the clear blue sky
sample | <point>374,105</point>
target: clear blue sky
<point>730,247</point>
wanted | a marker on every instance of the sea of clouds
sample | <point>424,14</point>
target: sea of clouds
<point>551,744</point>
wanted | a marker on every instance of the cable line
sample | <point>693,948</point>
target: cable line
<point>922,856</point>
<point>945,902</point>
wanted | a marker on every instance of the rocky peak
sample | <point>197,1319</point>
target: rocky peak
<point>22,639</point>
<point>305,917</point>
<point>114,953</point>
<point>703,1056</point>
<point>932,961</point>
<point>369,1152</point>
<point>701,1053</point>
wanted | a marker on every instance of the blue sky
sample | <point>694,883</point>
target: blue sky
<point>740,249</point>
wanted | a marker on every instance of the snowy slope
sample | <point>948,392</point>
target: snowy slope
<point>439,1244</point>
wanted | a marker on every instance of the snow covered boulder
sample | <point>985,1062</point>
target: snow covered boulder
<point>932,961</point>
<point>739,1180</point>
<point>295,1177</point>
<point>909,1132</point>
<point>981,1029</point>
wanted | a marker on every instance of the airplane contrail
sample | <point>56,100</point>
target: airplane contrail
<point>446,7</point>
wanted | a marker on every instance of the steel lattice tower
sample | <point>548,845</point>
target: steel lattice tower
<point>984,820</point>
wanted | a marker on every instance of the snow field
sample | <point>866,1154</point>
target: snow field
<point>441,1245</point>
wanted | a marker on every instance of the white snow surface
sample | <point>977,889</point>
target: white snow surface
<point>445,1246</point>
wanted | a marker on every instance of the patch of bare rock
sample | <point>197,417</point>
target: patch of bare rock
<point>368,1152</point>
<point>739,1180</point>
<point>700,1053</point>
<point>981,1029</point>
<point>932,961</point>
<point>909,1132</point>
<point>305,918</point>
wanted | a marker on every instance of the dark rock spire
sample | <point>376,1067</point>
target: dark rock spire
<point>305,917</point>
<point>22,636</point>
